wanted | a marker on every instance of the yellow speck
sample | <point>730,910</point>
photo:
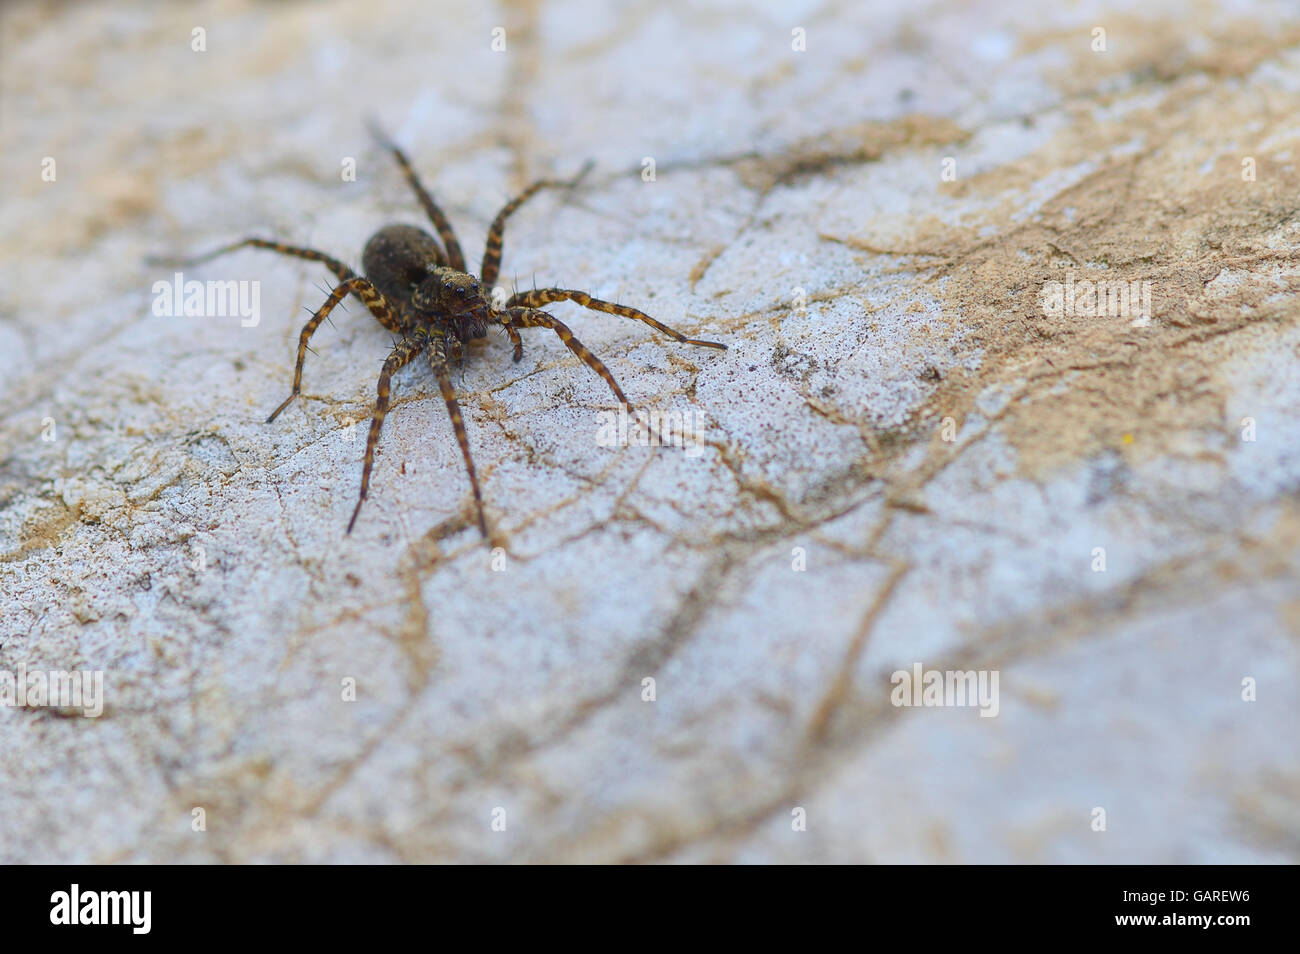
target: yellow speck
<point>1128,438</point>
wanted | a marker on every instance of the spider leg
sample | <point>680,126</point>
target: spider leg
<point>437,355</point>
<point>544,296</point>
<point>455,257</point>
<point>378,307</point>
<point>333,264</point>
<point>517,341</point>
<point>524,317</point>
<point>492,252</point>
<point>403,354</point>
<point>374,301</point>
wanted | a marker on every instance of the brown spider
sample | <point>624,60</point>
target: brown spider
<point>425,294</point>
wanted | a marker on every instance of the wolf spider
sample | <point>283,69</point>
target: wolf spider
<point>423,292</point>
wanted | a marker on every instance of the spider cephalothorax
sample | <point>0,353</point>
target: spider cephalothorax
<point>408,267</point>
<point>421,290</point>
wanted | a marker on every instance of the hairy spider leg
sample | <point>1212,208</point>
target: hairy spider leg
<point>544,296</point>
<point>368,293</point>
<point>492,251</point>
<point>517,341</point>
<point>437,355</point>
<point>402,354</point>
<point>524,317</point>
<point>455,257</point>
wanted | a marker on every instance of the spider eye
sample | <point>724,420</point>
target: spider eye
<point>462,291</point>
<point>447,286</point>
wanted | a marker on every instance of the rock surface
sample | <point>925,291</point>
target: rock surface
<point>908,455</point>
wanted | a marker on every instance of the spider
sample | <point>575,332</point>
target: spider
<point>423,292</point>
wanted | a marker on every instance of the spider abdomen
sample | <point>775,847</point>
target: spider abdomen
<point>397,258</point>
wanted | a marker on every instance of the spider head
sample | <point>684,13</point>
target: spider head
<point>449,292</point>
<point>455,296</point>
